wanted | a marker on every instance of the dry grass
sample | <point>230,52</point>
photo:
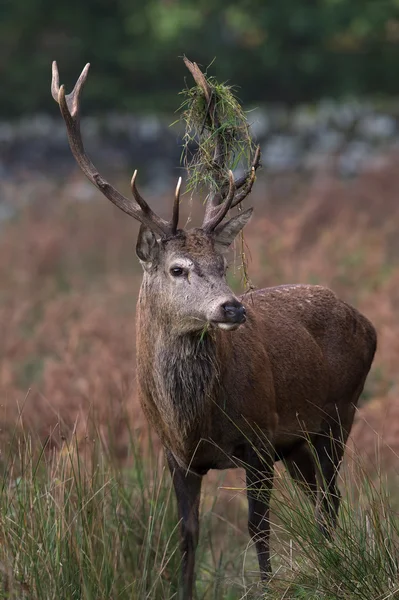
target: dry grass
<point>69,283</point>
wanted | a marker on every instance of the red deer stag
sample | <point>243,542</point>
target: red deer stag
<point>277,370</point>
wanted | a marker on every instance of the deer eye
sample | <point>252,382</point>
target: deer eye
<point>177,271</point>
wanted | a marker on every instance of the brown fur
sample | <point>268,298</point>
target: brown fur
<point>292,374</point>
<point>293,370</point>
<point>292,365</point>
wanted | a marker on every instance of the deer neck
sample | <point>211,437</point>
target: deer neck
<point>178,372</point>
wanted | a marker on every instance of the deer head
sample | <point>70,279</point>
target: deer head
<point>183,270</point>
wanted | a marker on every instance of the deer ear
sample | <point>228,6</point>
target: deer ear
<point>226,232</point>
<point>147,247</point>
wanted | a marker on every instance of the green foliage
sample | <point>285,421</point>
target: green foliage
<point>276,50</point>
<point>362,560</point>
<point>233,133</point>
<point>74,526</point>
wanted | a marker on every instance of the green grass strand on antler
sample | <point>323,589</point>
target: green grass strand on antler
<point>200,136</point>
<point>216,140</point>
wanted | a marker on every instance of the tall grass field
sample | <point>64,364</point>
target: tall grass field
<point>73,525</point>
<point>87,509</point>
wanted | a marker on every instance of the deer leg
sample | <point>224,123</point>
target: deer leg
<point>329,448</point>
<point>188,489</point>
<point>301,467</point>
<point>259,479</point>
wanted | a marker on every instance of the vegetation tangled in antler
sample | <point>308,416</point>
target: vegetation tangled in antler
<point>217,137</point>
<point>217,128</point>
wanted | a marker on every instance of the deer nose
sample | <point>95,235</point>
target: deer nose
<point>234,311</point>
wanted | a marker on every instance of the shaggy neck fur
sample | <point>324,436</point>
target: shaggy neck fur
<point>185,370</point>
<point>182,367</point>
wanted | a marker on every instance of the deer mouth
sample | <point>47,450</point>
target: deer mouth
<point>227,325</point>
<point>234,315</point>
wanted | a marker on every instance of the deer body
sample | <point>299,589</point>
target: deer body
<point>234,382</point>
<point>292,365</point>
<point>287,377</point>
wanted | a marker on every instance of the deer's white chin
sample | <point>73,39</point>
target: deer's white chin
<point>228,326</point>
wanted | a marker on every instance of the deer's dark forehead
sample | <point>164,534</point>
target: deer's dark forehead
<point>197,246</point>
<point>195,243</point>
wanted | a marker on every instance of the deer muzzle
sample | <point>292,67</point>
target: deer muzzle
<point>231,315</point>
<point>234,313</point>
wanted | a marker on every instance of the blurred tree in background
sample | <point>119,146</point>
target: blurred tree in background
<point>288,50</point>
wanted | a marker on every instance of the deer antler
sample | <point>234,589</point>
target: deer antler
<point>175,215</point>
<point>220,202</point>
<point>137,208</point>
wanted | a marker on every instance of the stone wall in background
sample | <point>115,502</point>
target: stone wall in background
<point>355,135</point>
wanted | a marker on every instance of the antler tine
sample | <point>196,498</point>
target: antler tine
<point>73,99</point>
<point>176,205</point>
<point>255,165</point>
<point>139,199</point>
<point>213,222</point>
<point>246,189</point>
<point>240,181</point>
<point>55,80</point>
<point>246,182</point>
<point>70,110</point>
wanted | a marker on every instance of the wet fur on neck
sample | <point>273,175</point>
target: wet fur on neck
<point>185,373</point>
